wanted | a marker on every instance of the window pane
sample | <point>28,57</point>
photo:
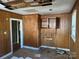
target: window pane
<point>73,33</point>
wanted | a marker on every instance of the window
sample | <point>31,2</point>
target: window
<point>73,30</point>
<point>52,23</point>
<point>44,23</point>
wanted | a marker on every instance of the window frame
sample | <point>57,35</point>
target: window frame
<point>73,25</point>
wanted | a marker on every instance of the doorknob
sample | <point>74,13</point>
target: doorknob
<point>5,33</point>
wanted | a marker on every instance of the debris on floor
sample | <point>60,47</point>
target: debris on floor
<point>60,52</point>
<point>14,57</point>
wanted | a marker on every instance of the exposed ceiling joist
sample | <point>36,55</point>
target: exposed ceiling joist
<point>15,4</point>
<point>43,1</point>
<point>59,6</point>
<point>5,1</point>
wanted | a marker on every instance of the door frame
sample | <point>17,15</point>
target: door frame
<point>21,33</point>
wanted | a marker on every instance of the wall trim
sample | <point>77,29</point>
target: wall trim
<point>55,48</point>
<point>10,53</point>
<point>29,47</point>
<point>21,36</point>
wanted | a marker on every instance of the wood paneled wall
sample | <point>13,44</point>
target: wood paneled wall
<point>5,44</point>
<point>75,46</point>
<point>31,30</point>
<point>62,35</point>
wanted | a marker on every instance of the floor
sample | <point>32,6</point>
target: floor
<point>43,53</point>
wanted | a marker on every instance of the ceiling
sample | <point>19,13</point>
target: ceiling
<point>59,6</point>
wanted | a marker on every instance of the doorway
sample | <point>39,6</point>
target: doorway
<point>16,34</point>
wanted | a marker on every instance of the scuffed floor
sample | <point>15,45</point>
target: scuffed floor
<point>41,54</point>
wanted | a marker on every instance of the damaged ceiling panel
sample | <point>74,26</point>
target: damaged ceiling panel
<point>7,1</point>
<point>42,7</point>
<point>15,4</point>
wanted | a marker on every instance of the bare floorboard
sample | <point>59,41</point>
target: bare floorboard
<point>41,54</point>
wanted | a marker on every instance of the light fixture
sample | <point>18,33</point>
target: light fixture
<point>50,9</point>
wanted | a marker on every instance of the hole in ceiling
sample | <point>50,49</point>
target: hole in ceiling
<point>50,9</point>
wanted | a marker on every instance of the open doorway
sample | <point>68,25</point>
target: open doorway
<point>16,34</point>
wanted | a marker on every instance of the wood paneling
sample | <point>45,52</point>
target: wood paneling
<point>31,30</point>
<point>5,44</point>
<point>62,34</point>
<point>75,46</point>
<point>48,37</point>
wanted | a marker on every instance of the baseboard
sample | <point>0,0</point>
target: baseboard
<point>28,47</point>
<point>73,54</point>
<point>6,55</point>
<point>55,48</point>
<point>48,47</point>
<point>64,49</point>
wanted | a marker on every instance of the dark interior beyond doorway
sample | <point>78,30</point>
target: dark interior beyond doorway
<point>16,35</point>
